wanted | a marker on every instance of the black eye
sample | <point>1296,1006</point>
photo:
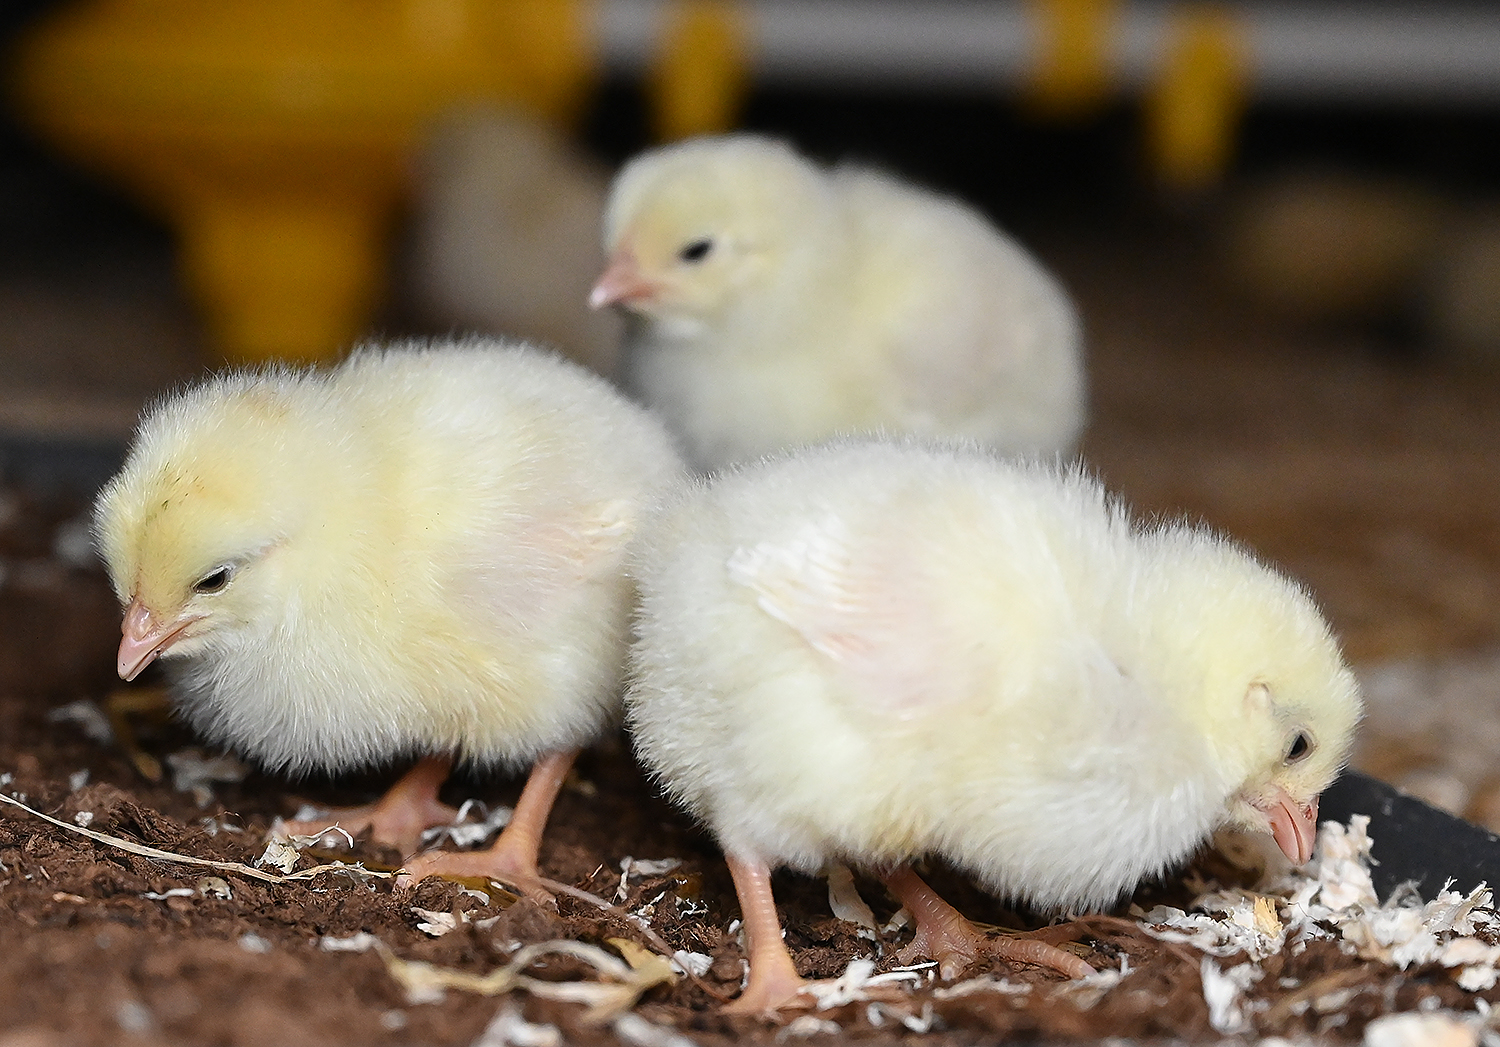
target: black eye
<point>213,581</point>
<point>696,251</point>
<point>1301,746</point>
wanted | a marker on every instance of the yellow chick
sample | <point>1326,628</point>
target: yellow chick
<point>869,653</point>
<point>417,553</point>
<point>772,303</point>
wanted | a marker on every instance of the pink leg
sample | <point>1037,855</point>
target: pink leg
<point>512,858</point>
<point>944,935</point>
<point>773,977</point>
<point>398,817</point>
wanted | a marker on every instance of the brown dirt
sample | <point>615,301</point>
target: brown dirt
<point>1373,480</point>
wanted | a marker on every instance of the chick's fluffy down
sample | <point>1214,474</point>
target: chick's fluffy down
<point>427,551</point>
<point>870,653</point>
<point>831,301</point>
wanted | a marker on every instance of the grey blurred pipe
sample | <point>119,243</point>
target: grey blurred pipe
<point>1379,52</point>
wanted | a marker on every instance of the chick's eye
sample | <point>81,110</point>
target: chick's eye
<point>696,251</point>
<point>214,581</point>
<point>1301,746</point>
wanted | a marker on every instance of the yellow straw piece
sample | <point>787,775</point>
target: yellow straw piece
<point>1193,110</point>
<point>702,72</point>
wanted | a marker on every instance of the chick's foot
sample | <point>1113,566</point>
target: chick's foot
<point>512,859</point>
<point>944,935</point>
<point>502,863</point>
<point>774,981</point>
<point>399,817</point>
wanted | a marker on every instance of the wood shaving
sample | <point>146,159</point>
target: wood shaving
<point>509,1029</point>
<point>465,833</point>
<point>844,898</point>
<point>603,1000</point>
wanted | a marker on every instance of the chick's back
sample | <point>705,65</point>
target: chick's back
<point>432,540</point>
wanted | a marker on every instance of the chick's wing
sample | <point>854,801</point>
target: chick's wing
<point>861,604</point>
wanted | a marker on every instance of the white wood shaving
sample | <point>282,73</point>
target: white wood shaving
<point>692,962</point>
<point>194,773</point>
<point>73,543</point>
<point>620,986</point>
<point>438,924</point>
<point>645,868</point>
<point>986,983</point>
<point>280,853</point>
<point>638,1032</point>
<point>464,833</point>
<point>1435,1029</point>
<point>1333,896</point>
<point>844,899</point>
<point>808,1025</point>
<point>88,716</point>
<point>1224,992</point>
<point>855,984</point>
<point>214,887</point>
<point>509,1029</point>
<point>1084,992</point>
<point>363,941</point>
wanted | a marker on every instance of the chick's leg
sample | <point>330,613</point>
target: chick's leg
<point>773,977</point>
<point>943,934</point>
<point>512,858</point>
<point>398,817</point>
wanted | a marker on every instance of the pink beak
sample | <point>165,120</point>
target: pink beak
<point>621,283</point>
<point>1294,828</point>
<point>144,639</point>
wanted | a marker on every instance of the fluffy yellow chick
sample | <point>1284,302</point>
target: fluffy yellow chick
<point>873,652</point>
<point>772,303</point>
<point>418,553</point>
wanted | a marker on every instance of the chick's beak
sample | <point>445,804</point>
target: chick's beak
<point>144,638</point>
<point>622,283</point>
<point>1294,826</point>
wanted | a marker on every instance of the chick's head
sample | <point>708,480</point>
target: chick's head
<point>211,490</point>
<point>690,227</point>
<point>1261,675</point>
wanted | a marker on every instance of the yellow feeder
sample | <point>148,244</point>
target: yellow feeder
<point>702,73</point>
<point>1193,110</point>
<point>274,134</point>
<point>1073,75</point>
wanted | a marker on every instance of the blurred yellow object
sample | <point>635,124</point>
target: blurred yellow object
<point>275,134</point>
<point>701,76</point>
<point>1073,75</point>
<point>1193,110</point>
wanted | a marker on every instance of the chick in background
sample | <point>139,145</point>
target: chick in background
<point>869,653</point>
<point>417,554</point>
<point>505,233</point>
<point>772,303</point>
